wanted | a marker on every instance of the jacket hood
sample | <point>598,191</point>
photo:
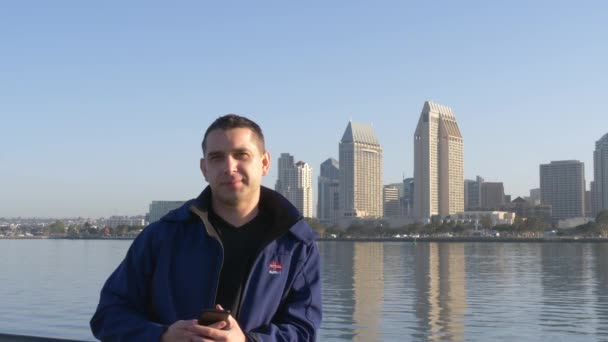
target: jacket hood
<point>286,217</point>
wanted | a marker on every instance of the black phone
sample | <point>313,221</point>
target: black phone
<point>211,316</point>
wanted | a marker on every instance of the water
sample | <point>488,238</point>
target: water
<point>391,291</point>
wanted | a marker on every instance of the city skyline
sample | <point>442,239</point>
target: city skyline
<point>103,106</point>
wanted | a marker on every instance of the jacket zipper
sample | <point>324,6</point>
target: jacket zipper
<point>212,232</point>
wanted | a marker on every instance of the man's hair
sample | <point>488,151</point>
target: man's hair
<point>230,121</point>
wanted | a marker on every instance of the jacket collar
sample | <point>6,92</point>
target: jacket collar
<point>285,216</point>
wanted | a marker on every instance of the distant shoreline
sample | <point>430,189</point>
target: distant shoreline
<point>361,239</point>
<point>64,238</point>
<point>468,239</point>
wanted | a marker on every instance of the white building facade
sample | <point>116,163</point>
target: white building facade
<point>295,183</point>
<point>438,163</point>
<point>599,190</point>
<point>361,178</point>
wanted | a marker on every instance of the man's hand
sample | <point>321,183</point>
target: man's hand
<point>186,331</point>
<point>228,332</point>
<point>191,331</point>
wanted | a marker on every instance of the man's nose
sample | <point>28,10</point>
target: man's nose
<point>230,165</point>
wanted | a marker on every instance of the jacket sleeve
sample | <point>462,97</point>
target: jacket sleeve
<point>299,317</point>
<point>122,313</point>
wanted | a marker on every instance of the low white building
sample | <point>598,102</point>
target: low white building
<point>115,221</point>
<point>497,217</point>
<point>572,222</point>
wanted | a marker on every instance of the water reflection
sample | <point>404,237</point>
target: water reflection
<point>338,298</point>
<point>600,270</point>
<point>368,290</point>
<point>441,294</point>
<point>566,288</point>
<point>400,291</point>
<point>394,289</point>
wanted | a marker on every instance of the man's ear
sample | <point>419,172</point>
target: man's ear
<point>265,163</point>
<point>203,167</point>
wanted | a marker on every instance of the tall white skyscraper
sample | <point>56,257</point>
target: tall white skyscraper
<point>361,180</point>
<point>438,163</point>
<point>599,190</point>
<point>295,183</point>
<point>302,193</point>
<point>562,185</point>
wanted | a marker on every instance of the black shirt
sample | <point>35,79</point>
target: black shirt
<point>241,247</point>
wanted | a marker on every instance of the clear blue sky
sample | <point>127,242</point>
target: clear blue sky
<point>103,104</point>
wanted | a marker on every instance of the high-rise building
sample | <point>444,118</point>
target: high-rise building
<point>600,175</point>
<point>588,203</point>
<point>438,163</point>
<point>295,183</point>
<point>392,205</point>
<point>407,200</point>
<point>360,172</point>
<point>595,201</point>
<point>562,185</point>
<point>302,193</point>
<point>159,209</point>
<point>285,172</point>
<point>328,201</point>
<point>535,196</point>
<point>472,193</point>
<point>492,195</point>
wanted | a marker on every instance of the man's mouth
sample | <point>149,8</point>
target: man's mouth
<point>232,182</point>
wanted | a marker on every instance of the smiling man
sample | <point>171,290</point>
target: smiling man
<point>237,246</point>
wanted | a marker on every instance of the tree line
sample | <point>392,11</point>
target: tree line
<point>521,227</point>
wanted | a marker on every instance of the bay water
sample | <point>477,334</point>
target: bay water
<point>372,291</point>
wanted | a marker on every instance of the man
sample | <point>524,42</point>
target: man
<point>238,246</point>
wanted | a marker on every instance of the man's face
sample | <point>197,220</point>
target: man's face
<point>234,165</point>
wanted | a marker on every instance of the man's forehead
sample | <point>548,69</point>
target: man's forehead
<point>229,149</point>
<point>235,139</point>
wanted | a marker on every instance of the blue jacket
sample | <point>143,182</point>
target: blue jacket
<point>171,272</point>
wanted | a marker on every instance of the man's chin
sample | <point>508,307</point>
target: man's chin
<point>231,199</point>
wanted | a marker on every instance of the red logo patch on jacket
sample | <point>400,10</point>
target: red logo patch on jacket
<point>275,267</point>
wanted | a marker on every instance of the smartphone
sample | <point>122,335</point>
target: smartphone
<point>211,316</point>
